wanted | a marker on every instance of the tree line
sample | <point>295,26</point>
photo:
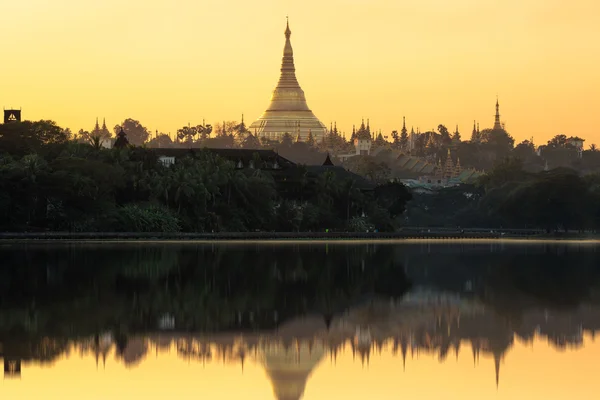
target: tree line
<point>508,196</point>
<point>50,181</point>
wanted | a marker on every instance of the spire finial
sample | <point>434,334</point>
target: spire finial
<point>497,124</point>
<point>288,32</point>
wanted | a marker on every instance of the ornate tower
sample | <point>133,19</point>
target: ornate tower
<point>449,167</point>
<point>288,104</point>
<point>497,124</point>
<point>404,131</point>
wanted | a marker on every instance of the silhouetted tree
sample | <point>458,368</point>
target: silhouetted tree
<point>136,133</point>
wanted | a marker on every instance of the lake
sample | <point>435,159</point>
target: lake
<point>309,320</point>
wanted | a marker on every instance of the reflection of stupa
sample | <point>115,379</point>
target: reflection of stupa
<point>289,367</point>
<point>136,350</point>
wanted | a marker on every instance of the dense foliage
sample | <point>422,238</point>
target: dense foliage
<point>48,182</point>
<point>509,197</point>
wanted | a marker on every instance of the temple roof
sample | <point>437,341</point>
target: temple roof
<point>328,161</point>
<point>235,155</point>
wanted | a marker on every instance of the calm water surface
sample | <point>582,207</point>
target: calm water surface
<point>451,320</point>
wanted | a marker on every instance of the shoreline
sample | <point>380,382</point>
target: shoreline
<point>287,237</point>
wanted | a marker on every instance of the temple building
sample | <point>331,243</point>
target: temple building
<point>288,111</point>
<point>362,139</point>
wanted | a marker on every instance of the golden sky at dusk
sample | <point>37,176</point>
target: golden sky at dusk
<point>170,62</point>
<point>538,372</point>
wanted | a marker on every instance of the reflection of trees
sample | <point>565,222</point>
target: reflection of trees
<point>43,350</point>
<point>204,288</point>
<point>75,291</point>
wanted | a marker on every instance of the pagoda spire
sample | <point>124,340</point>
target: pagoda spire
<point>288,70</point>
<point>457,168</point>
<point>497,124</point>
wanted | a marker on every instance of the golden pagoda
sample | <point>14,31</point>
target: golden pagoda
<point>288,111</point>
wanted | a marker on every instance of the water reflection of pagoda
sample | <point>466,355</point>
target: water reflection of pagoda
<point>429,323</point>
<point>292,355</point>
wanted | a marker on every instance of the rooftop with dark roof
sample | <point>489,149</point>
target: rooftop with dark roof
<point>236,155</point>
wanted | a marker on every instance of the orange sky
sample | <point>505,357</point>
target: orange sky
<point>170,62</point>
<point>538,372</point>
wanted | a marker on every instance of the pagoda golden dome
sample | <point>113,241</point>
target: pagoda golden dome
<point>288,111</point>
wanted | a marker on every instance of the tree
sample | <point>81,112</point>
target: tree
<point>444,135</point>
<point>27,136</point>
<point>393,196</point>
<point>420,145</point>
<point>225,128</point>
<point>204,130</point>
<point>136,133</point>
<point>187,134</point>
<point>558,141</point>
<point>524,150</point>
<point>395,138</point>
<point>557,199</point>
<point>499,142</point>
<point>162,140</point>
<point>506,171</point>
<point>250,142</point>
<point>369,167</point>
